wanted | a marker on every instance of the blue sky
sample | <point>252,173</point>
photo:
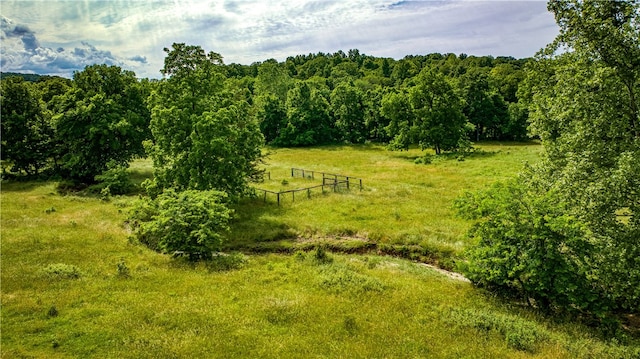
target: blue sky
<point>58,37</point>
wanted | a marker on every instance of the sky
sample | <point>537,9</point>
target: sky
<point>58,37</point>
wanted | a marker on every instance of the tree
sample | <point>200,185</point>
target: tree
<point>308,120</point>
<point>396,107</point>
<point>583,106</point>
<point>103,119</point>
<point>204,137</point>
<point>348,110</point>
<point>484,108</point>
<point>27,134</point>
<point>439,121</point>
<point>189,222</point>
<point>272,116</point>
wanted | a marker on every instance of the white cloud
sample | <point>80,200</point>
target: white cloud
<point>135,32</point>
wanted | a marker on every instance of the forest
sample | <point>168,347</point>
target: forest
<point>561,235</point>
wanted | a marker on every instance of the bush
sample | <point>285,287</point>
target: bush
<point>530,246</point>
<point>188,223</point>
<point>115,180</point>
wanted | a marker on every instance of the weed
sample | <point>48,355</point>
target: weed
<point>50,210</point>
<point>123,269</point>
<point>299,256</point>
<point>321,256</point>
<point>52,312</point>
<point>61,270</point>
<point>349,324</point>
<point>518,333</point>
<point>340,279</point>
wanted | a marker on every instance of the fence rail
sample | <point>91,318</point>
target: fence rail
<point>330,183</point>
<point>299,172</point>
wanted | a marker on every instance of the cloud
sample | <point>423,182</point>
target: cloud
<point>22,52</point>
<point>133,33</point>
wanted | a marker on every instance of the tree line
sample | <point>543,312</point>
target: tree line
<point>78,128</point>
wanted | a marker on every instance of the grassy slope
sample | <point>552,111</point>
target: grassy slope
<point>275,306</point>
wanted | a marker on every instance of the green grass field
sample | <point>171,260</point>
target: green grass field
<point>402,204</point>
<point>73,284</point>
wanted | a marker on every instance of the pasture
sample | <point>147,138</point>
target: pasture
<point>74,284</point>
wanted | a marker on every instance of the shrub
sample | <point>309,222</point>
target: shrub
<point>189,222</point>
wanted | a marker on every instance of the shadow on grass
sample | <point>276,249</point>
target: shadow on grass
<point>254,225</point>
<point>20,186</point>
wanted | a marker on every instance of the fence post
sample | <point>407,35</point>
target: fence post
<point>265,196</point>
<point>361,184</point>
<point>278,195</point>
<point>291,171</point>
<point>308,192</point>
<point>293,196</point>
<point>347,182</point>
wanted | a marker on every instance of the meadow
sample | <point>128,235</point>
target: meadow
<point>75,284</point>
<point>404,208</point>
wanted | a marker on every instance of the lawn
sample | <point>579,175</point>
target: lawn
<point>73,283</point>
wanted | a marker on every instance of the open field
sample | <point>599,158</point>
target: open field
<point>402,204</point>
<point>74,285</point>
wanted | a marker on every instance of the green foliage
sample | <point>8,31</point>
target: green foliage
<point>204,136</point>
<point>188,222</point>
<point>102,119</point>
<point>308,120</point>
<point>565,233</point>
<point>27,133</point>
<point>116,179</point>
<point>347,103</point>
<point>430,115</point>
<point>530,246</point>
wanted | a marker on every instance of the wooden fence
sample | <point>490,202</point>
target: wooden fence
<point>330,183</point>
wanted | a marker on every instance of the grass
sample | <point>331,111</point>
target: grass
<point>402,204</point>
<point>74,285</point>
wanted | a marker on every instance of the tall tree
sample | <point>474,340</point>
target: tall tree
<point>203,134</point>
<point>308,120</point>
